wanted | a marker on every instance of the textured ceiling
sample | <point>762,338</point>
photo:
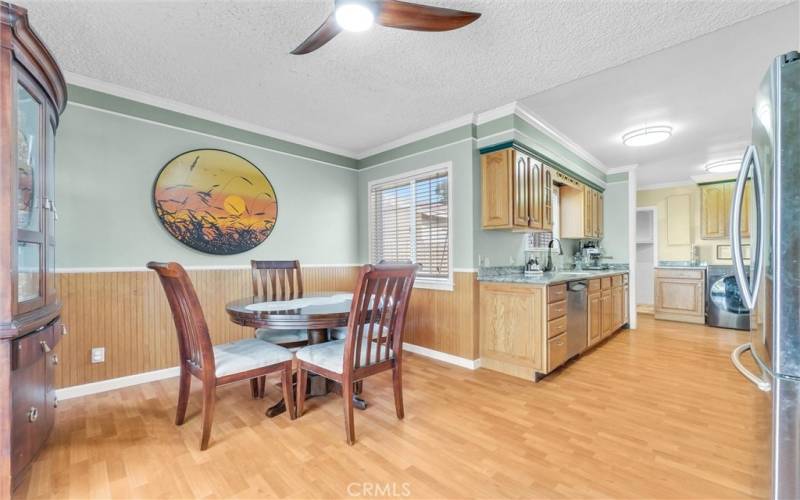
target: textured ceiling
<point>704,88</point>
<point>362,89</point>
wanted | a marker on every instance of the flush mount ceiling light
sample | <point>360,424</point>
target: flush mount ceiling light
<point>720,166</point>
<point>646,136</point>
<point>354,15</point>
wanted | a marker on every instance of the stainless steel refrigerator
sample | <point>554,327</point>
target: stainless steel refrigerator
<point>772,165</point>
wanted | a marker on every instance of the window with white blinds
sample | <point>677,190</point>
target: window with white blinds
<point>410,221</point>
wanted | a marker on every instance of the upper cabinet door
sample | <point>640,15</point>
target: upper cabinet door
<point>535,212</point>
<point>713,223</point>
<point>28,260</point>
<point>521,190</point>
<point>598,219</point>
<point>588,212</point>
<point>547,198</point>
<point>496,188</point>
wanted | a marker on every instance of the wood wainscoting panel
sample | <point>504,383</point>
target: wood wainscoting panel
<point>128,314</point>
<point>444,320</point>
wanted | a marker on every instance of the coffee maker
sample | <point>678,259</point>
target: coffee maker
<point>590,256</point>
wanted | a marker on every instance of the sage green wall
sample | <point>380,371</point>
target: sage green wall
<point>615,222</point>
<point>106,165</point>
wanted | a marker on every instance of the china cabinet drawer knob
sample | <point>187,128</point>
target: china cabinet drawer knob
<point>33,414</point>
<point>55,359</point>
<point>45,347</point>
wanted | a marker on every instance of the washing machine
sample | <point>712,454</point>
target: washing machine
<point>724,306</point>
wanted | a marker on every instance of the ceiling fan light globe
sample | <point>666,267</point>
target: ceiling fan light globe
<point>354,16</point>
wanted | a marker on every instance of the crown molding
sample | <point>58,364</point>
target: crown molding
<point>197,112</point>
<point>416,136</point>
<point>493,114</point>
<point>622,169</point>
<point>555,134</point>
<point>665,185</point>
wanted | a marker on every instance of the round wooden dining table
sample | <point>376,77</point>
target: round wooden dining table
<point>316,312</point>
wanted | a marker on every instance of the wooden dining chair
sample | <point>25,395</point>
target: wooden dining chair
<point>374,341</point>
<point>279,280</point>
<point>214,365</point>
<point>340,333</point>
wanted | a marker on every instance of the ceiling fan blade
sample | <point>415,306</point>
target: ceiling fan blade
<point>329,29</point>
<point>412,16</point>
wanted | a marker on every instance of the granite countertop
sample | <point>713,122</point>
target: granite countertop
<point>680,264</point>
<point>515,275</point>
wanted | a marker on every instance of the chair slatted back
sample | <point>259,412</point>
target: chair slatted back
<point>277,279</point>
<point>377,314</point>
<point>194,341</point>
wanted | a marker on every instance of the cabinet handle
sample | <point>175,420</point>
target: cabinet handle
<point>33,414</point>
<point>55,359</point>
<point>45,347</point>
<point>55,402</point>
<point>64,330</point>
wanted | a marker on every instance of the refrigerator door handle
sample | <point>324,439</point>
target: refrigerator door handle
<point>749,290</point>
<point>736,355</point>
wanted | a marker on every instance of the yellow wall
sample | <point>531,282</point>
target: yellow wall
<point>666,251</point>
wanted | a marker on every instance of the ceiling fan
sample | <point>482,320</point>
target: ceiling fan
<point>359,15</point>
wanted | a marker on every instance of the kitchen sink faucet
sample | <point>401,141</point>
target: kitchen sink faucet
<point>549,265</point>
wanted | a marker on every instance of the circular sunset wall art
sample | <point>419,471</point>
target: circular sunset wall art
<point>215,201</point>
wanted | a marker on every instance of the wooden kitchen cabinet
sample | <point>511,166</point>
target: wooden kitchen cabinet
<point>595,318</point>
<point>547,198</point>
<point>716,201</point>
<point>680,295</point>
<point>581,213</point>
<point>617,305</point>
<point>512,328</point>
<point>511,191</point>
<point>523,327</point>
<point>606,312</point>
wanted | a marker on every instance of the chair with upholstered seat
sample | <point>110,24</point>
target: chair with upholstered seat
<point>279,280</point>
<point>214,365</point>
<point>374,340</point>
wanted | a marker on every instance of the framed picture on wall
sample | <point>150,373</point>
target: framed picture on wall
<point>724,252</point>
<point>215,201</point>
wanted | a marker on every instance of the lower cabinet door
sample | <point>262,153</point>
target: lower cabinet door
<point>606,312</point>
<point>595,321</point>
<point>617,305</point>
<point>626,305</point>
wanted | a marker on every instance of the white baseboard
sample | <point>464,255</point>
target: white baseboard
<point>470,364</point>
<point>77,391</point>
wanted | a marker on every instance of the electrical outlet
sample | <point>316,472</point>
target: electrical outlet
<point>98,354</point>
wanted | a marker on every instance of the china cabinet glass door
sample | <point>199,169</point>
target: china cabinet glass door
<point>50,209</point>
<point>30,253</point>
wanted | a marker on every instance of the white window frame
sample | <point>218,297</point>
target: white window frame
<point>428,283</point>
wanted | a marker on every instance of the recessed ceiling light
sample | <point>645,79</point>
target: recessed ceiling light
<point>720,166</point>
<point>646,136</point>
<point>354,15</point>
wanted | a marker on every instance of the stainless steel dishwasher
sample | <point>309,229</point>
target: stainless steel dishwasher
<point>576,318</point>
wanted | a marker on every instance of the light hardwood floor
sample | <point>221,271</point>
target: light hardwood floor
<point>655,413</point>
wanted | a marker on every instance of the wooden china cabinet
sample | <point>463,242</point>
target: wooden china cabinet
<point>32,96</point>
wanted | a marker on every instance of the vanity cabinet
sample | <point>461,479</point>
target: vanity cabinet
<point>32,96</point>
<point>715,210</point>
<point>680,295</point>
